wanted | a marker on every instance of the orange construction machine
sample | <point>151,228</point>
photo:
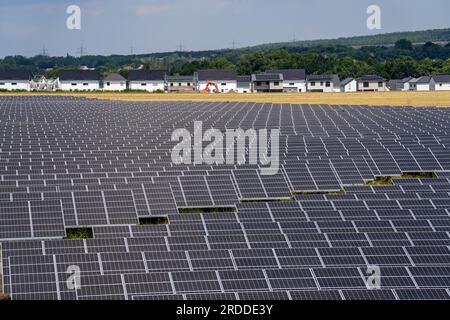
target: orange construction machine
<point>208,85</point>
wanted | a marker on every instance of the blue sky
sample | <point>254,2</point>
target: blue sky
<point>113,26</point>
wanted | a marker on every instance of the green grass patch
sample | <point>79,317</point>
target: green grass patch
<point>79,233</point>
<point>381,181</point>
<point>207,210</point>
<point>4,297</point>
<point>154,221</point>
<point>389,181</point>
<point>417,175</point>
<point>267,200</point>
<point>315,193</point>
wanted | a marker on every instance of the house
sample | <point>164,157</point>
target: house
<point>294,80</point>
<point>181,83</point>
<point>422,84</point>
<point>442,82</point>
<point>15,80</point>
<point>371,83</point>
<point>349,85</point>
<point>147,80</point>
<point>244,84</point>
<point>400,84</point>
<point>223,81</point>
<point>267,82</point>
<point>79,80</point>
<point>323,83</point>
<point>114,82</point>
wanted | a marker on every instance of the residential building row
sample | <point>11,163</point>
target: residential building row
<point>216,81</point>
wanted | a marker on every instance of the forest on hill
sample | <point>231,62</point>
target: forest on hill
<point>405,57</point>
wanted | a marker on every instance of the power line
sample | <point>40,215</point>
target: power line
<point>44,51</point>
<point>81,51</point>
<point>180,47</point>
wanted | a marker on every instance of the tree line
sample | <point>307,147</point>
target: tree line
<point>395,62</point>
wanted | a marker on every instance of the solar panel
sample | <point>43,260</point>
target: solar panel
<point>71,162</point>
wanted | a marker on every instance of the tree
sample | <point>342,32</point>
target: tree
<point>404,44</point>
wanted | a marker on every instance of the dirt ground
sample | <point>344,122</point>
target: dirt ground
<point>434,98</point>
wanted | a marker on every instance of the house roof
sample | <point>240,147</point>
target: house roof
<point>422,80</point>
<point>325,77</point>
<point>147,75</point>
<point>79,75</point>
<point>215,75</point>
<point>180,79</point>
<point>290,74</point>
<point>371,78</point>
<point>346,81</point>
<point>244,79</point>
<point>115,77</point>
<point>407,79</point>
<point>15,75</point>
<point>442,78</point>
<point>267,77</point>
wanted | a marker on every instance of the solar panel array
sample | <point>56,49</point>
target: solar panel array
<point>70,162</point>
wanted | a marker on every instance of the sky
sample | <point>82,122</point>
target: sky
<point>115,26</point>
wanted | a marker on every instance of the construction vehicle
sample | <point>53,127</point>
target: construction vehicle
<point>208,85</point>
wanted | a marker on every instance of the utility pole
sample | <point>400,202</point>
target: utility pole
<point>234,45</point>
<point>132,50</point>
<point>81,51</point>
<point>180,47</point>
<point>44,51</point>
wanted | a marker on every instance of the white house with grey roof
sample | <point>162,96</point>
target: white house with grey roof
<point>422,84</point>
<point>371,83</point>
<point>294,80</point>
<point>349,85</point>
<point>267,82</point>
<point>79,80</point>
<point>114,82</point>
<point>244,84</point>
<point>442,83</point>
<point>147,80</point>
<point>324,83</point>
<point>225,80</point>
<point>12,80</point>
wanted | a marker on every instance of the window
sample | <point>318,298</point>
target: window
<point>14,83</point>
<point>440,84</point>
<point>223,84</point>
<point>108,84</point>
<point>313,84</point>
<point>276,83</point>
<point>321,83</point>
<point>143,84</point>
<point>258,83</point>
<point>328,84</point>
<point>189,84</point>
<point>365,84</point>
<point>180,84</point>
<point>268,83</point>
<point>171,84</point>
<point>74,84</point>
<point>292,84</point>
<point>2,83</point>
<point>85,84</point>
<point>380,84</point>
